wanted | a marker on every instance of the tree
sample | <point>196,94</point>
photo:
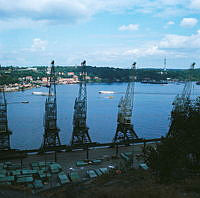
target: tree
<point>178,154</point>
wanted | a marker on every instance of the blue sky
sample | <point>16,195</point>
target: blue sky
<point>111,33</point>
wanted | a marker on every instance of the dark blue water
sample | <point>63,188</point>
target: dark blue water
<point>152,106</point>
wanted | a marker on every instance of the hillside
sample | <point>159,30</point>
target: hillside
<point>128,184</point>
<point>10,75</point>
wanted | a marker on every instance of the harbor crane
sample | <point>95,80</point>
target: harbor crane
<point>4,131</point>
<point>51,131</point>
<point>125,131</point>
<point>181,101</point>
<point>80,135</point>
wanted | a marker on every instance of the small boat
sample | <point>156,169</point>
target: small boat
<point>106,92</point>
<point>154,82</point>
<point>25,102</point>
<point>198,83</point>
<point>109,97</point>
<point>40,93</point>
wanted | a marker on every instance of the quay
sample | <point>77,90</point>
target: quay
<point>13,153</point>
<point>56,168</point>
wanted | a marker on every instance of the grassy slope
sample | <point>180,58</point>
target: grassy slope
<point>130,184</point>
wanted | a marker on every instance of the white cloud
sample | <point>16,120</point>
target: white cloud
<point>188,22</point>
<point>65,11</point>
<point>173,41</point>
<point>195,4</point>
<point>21,23</point>
<point>170,23</point>
<point>179,41</point>
<point>118,55</point>
<point>148,51</point>
<point>171,2</point>
<point>60,11</point>
<point>130,27</point>
<point>38,45</point>
<point>172,45</point>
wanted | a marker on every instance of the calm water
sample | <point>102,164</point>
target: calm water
<point>152,106</point>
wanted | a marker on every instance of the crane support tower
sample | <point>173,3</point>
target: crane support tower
<point>51,131</point>
<point>165,65</point>
<point>125,131</point>
<point>80,135</point>
<point>4,131</point>
<point>181,101</point>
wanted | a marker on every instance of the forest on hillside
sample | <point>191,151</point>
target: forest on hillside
<point>9,75</point>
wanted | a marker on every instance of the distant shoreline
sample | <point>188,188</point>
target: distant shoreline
<point>18,89</point>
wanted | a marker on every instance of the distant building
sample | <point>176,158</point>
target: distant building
<point>60,73</point>
<point>27,85</point>
<point>28,69</point>
<point>20,79</point>
<point>30,78</point>
<point>67,80</point>
<point>97,78</point>
<point>75,77</point>
<point>44,80</point>
<point>87,77</point>
<point>70,73</point>
<point>32,68</point>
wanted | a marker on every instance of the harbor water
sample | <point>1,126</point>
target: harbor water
<point>151,113</point>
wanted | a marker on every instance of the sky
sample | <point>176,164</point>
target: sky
<point>112,33</point>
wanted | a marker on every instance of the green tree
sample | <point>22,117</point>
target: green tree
<point>178,154</point>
